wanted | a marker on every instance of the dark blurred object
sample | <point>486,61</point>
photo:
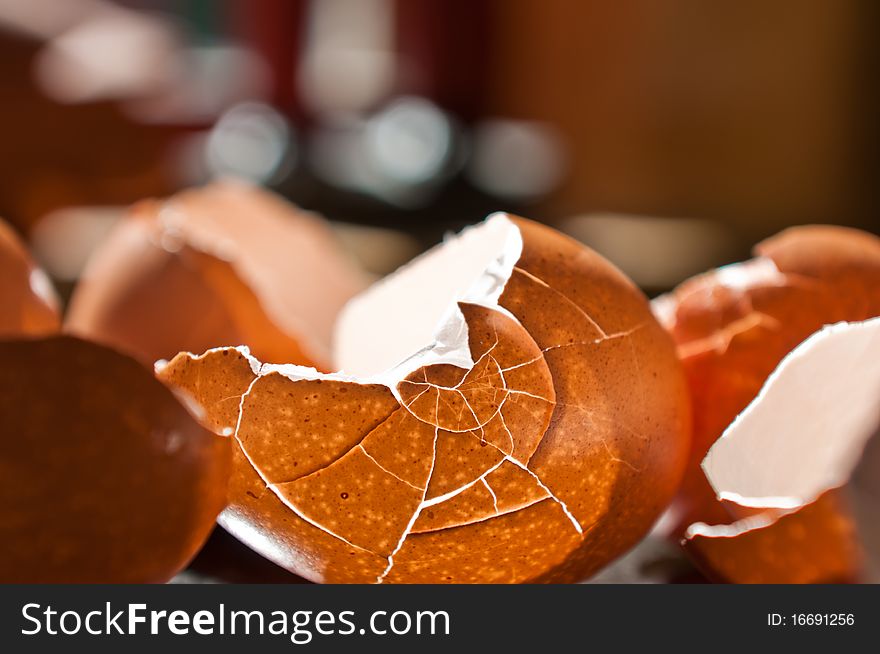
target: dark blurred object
<point>224,559</point>
<point>54,156</point>
<point>653,561</point>
<point>273,30</point>
<point>865,497</point>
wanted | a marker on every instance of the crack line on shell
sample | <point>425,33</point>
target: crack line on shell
<point>577,307</point>
<point>614,457</point>
<point>510,433</point>
<point>456,389</point>
<point>415,515</point>
<point>561,504</point>
<point>479,426</point>
<point>241,412</point>
<point>384,469</point>
<point>504,422</point>
<point>552,495</point>
<point>532,395</point>
<point>498,412</point>
<point>530,362</point>
<point>414,399</point>
<point>293,507</point>
<point>460,431</point>
<point>492,493</point>
<point>500,514</point>
<point>595,341</point>
<point>476,420</point>
<point>351,449</point>
<point>457,491</point>
<point>276,491</point>
<point>611,455</point>
<point>273,487</point>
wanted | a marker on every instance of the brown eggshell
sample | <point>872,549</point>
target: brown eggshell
<point>732,328</point>
<point>106,476</point>
<point>228,264</point>
<point>27,301</point>
<point>550,456</point>
<point>816,544</point>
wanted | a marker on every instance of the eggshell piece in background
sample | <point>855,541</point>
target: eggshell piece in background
<point>785,465</point>
<point>107,477</point>
<point>733,326</point>
<point>227,264</point>
<point>28,305</point>
<point>482,461</point>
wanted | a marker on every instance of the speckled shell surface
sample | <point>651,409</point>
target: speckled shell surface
<point>548,458</point>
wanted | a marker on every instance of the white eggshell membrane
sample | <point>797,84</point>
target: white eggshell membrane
<point>805,431</point>
<point>472,267</point>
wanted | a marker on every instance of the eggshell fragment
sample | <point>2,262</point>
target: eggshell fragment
<point>733,327</point>
<point>828,385</point>
<point>801,531</point>
<point>817,543</point>
<point>508,410</point>
<point>107,478</point>
<point>227,264</point>
<point>28,304</point>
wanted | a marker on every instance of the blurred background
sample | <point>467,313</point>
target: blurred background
<point>669,135</point>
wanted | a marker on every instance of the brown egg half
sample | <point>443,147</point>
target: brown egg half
<point>107,477</point>
<point>733,327</point>
<point>508,410</point>
<point>228,264</point>
<point>28,304</point>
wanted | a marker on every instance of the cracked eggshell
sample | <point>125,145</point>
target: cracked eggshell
<point>107,477</point>
<point>227,264</point>
<point>508,411</point>
<point>28,304</point>
<point>733,327</point>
